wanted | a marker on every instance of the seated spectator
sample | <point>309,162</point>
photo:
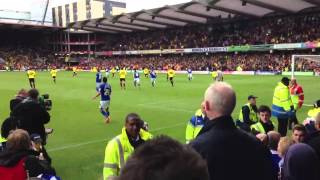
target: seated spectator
<point>265,124</point>
<point>8,125</point>
<point>301,163</point>
<point>299,133</point>
<point>314,139</point>
<point>248,114</point>
<point>163,158</point>
<point>273,140</point>
<point>283,146</point>
<point>18,161</point>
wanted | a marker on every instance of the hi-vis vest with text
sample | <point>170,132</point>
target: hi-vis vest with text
<point>117,152</point>
<point>281,102</point>
<point>194,126</point>
<point>253,115</point>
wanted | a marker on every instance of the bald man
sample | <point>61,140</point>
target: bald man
<point>297,97</point>
<point>230,153</point>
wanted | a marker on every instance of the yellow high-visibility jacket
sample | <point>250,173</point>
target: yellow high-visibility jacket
<point>117,152</point>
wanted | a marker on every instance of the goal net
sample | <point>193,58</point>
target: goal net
<point>305,63</point>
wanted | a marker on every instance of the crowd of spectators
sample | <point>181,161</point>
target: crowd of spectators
<point>21,58</point>
<point>201,62</point>
<point>269,30</point>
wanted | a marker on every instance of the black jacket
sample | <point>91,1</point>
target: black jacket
<point>33,165</point>
<point>231,153</point>
<point>31,116</point>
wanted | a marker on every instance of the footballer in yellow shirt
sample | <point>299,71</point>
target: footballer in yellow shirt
<point>146,72</point>
<point>31,73</point>
<point>171,74</point>
<point>122,75</point>
<point>74,69</point>
<point>53,73</point>
<point>113,71</point>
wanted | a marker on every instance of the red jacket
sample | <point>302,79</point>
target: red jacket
<point>297,90</point>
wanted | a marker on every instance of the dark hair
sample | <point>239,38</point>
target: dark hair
<point>33,93</point>
<point>105,79</point>
<point>134,116</point>
<point>163,158</point>
<point>285,81</point>
<point>8,125</point>
<point>299,127</point>
<point>264,108</point>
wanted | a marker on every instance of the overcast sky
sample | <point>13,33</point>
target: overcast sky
<point>37,7</point>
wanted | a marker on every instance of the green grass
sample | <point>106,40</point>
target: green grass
<point>80,136</point>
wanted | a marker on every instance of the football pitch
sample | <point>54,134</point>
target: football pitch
<point>78,142</point>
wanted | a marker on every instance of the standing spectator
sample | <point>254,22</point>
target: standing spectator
<point>282,106</point>
<point>301,163</point>
<point>265,124</point>
<point>297,98</point>
<point>299,133</point>
<point>163,158</point>
<point>248,114</point>
<point>122,146</point>
<point>219,138</point>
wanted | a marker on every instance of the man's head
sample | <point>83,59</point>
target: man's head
<point>264,113</point>
<point>133,125</point>
<point>293,81</point>
<point>274,138</point>
<point>22,93</point>
<point>252,99</point>
<point>104,79</point>
<point>283,146</point>
<point>285,81</point>
<point>33,94</point>
<point>163,158</point>
<point>219,100</point>
<point>298,133</point>
<point>18,140</point>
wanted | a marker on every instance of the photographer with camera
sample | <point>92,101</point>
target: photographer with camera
<point>31,115</point>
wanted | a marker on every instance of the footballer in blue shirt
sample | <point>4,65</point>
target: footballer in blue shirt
<point>98,80</point>
<point>136,78</point>
<point>189,71</point>
<point>105,93</point>
<point>153,77</point>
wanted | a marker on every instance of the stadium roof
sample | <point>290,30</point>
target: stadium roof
<point>29,25</point>
<point>193,12</point>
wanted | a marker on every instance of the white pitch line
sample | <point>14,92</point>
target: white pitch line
<point>308,105</point>
<point>101,140</point>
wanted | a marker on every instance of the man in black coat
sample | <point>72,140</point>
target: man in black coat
<point>31,116</point>
<point>230,153</point>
